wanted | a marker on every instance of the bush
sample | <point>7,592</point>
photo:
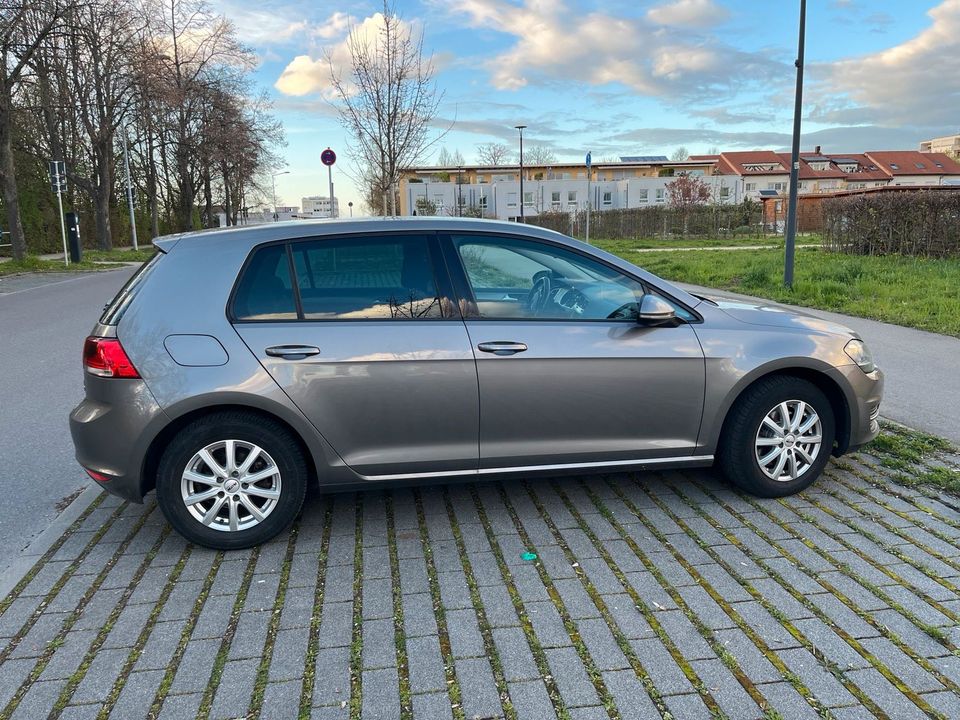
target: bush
<point>921,223</point>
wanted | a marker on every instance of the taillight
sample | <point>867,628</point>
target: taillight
<point>106,357</point>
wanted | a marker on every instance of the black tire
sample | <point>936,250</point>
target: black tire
<point>250,427</point>
<point>737,450</point>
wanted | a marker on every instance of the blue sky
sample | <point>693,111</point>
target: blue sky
<point>637,77</point>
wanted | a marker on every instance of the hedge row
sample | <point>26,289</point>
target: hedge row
<point>701,221</point>
<point>924,223</point>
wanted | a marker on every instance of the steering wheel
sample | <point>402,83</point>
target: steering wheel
<point>539,294</point>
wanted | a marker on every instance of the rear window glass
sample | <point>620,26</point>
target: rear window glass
<point>377,278</point>
<point>115,309</point>
<point>265,291</point>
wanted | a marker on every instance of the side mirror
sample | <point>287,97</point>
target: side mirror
<point>655,311</point>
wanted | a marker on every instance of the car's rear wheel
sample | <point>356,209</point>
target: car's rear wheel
<point>778,437</point>
<point>231,480</point>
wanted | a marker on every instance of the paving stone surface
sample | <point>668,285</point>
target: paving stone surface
<point>665,595</point>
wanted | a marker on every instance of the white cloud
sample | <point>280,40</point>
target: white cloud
<point>558,45</point>
<point>310,74</point>
<point>688,13</point>
<point>914,83</point>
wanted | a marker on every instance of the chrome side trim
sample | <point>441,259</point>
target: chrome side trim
<point>650,462</point>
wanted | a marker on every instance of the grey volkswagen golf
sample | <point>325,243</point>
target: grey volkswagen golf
<point>239,365</point>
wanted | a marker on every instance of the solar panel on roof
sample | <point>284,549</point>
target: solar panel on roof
<point>769,193</point>
<point>643,158</point>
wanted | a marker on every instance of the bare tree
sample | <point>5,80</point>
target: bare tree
<point>450,159</point>
<point>539,155</point>
<point>24,27</point>
<point>685,193</point>
<point>680,154</point>
<point>386,102</point>
<point>493,154</point>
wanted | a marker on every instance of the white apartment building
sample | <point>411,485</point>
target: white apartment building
<point>948,145</point>
<point>318,206</point>
<point>501,199</point>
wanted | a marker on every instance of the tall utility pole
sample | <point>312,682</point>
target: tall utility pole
<point>459,191</point>
<point>273,181</point>
<point>520,128</point>
<point>126,169</point>
<point>791,229</point>
<point>58,183</point>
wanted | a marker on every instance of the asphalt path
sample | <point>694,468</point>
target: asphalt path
<point>43,321</point>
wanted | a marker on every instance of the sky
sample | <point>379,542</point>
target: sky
<point>622,77</point>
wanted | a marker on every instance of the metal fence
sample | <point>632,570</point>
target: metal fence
<point>702,221</point>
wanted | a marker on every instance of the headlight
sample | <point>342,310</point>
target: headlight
<point>858,352</point>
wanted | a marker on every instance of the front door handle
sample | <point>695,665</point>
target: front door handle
<point>292,352</point>
<point>502,347</point>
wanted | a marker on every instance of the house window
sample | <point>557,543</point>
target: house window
<point>571,198</point>
<point>778,186</point>
<point>608,198</point>
<point>643,195</point>
<point>724,192</point>
<point>438,201</point>
<point>528,199</point>
<point>778,206</point>
<point>660,194</point>
<point>511,199</point>
<point>894,166</point>
<point>483,202</point>
<point>555,200</point>
<point>750,187</point>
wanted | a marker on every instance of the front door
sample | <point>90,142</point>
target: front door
<point>566,373</point>
<point>368,347</point>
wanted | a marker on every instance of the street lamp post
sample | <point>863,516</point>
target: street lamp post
<point>521,128</point>
<point>350,205</point>
<point>459,191</point>
<point>273,180</point>
<point>790,237</point>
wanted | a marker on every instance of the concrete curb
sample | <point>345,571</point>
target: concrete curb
<point>45,540</point>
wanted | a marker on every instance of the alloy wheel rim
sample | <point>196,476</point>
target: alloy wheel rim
<point>230,485</point>
<point>788,440</point>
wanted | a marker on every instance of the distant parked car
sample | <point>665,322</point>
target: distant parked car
<point>239,365</point>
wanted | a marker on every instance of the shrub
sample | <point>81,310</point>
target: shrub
<point>922,223</point>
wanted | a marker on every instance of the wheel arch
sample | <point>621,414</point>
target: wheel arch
<point>182,415</point>
<point>823,376</point>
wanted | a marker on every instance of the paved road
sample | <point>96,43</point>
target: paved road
<point>922,370</point>
<point>43,320</point>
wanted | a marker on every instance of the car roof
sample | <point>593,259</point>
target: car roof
<point>290,229</point>
<point>249,236</point>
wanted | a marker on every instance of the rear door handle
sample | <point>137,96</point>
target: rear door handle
<point>502,347</point>
<point>292,352</point>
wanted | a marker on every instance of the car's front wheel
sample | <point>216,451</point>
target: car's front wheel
<point>778,437</point>
<point>231,480</point>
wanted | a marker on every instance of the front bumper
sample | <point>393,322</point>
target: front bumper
<point>111,430</point>
<point>867,392</point>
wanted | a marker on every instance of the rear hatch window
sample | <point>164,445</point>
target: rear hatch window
<point>115,309</point>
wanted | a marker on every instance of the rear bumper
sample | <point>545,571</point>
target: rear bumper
<point>111,428</point>
<point>864,404</point>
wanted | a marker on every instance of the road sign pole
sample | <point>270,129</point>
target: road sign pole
<point>790,232</point>
<point>589,196</point>
<point>333,213</point>
<point>63,230</point>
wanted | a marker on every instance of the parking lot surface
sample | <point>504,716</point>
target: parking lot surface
<point>621,596</point>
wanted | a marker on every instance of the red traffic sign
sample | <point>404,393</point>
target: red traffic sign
<point>328,157</point>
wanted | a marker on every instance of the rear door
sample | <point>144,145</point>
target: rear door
<point>566,373</point>
<point>366,342</point>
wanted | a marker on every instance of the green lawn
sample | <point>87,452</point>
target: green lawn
<point>34,264</point>
<point>680,242</point>
<point>907,291</point>
<point>125,255</point>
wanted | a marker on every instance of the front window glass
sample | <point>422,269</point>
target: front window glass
<point>513,278</point>
<point>378,278</point>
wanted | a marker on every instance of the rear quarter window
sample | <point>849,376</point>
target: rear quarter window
<point>114,310</point>
<point>265,291</point>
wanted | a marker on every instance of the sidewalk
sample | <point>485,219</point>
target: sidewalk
<point>922,369</point>
<point>650,596</point>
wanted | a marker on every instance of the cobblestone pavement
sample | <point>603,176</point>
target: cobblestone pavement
<point>652,596</point>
